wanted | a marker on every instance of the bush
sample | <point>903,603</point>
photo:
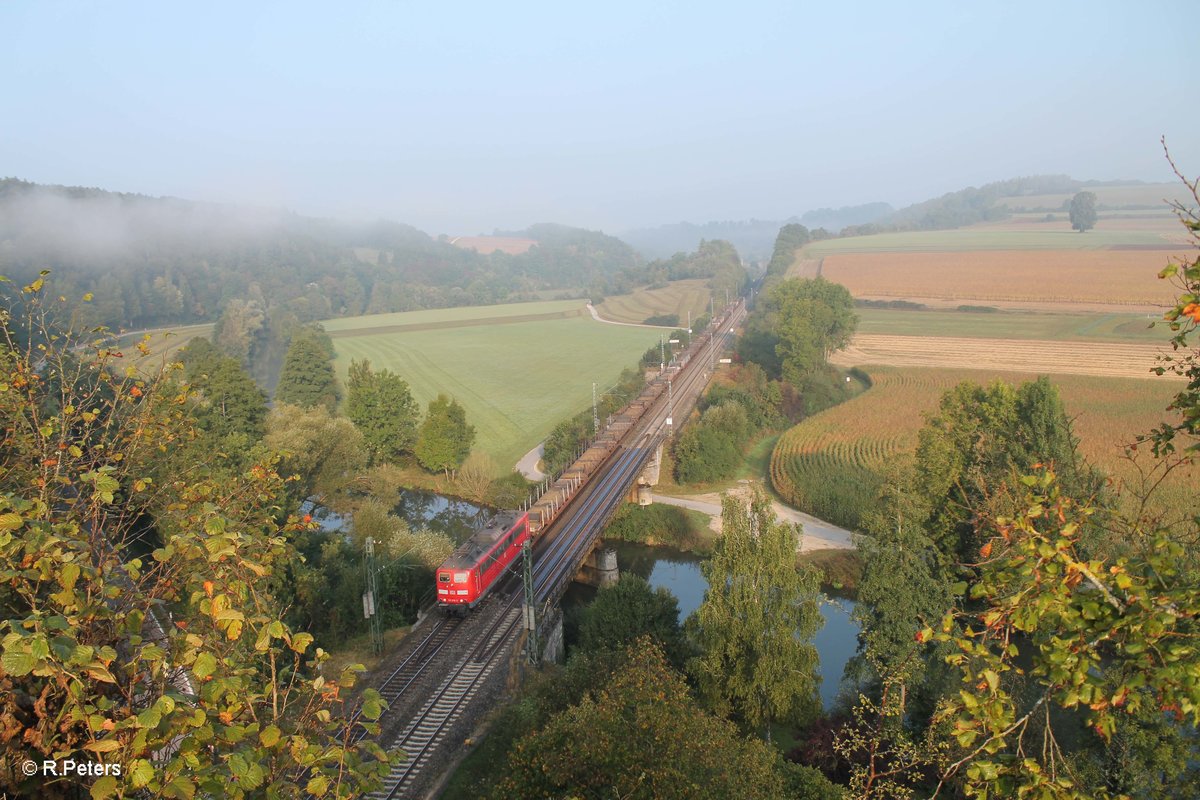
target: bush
<point>657,524</point>
<point>663,320</point>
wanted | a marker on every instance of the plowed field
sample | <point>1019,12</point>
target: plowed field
<point>1062,276</point>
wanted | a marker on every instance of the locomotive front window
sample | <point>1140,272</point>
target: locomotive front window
<point>460,577</point>
<point>443,577</point>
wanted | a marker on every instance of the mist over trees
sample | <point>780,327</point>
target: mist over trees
<point>753,238</point>
<point>162,261</point>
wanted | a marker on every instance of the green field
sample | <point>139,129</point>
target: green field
<point>164,344</point>
<point>441,315</point>
<point>677,297</point>
<point>981,238</point>
<point>1151,194</point>
<point>517,380</point>
<point>1004,324</point>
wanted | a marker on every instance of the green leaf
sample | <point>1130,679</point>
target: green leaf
<point>269,736</point>
<point>301,641</point>
<point>180,789</point>
<point>10,521</point>
<point>206,665</point>
<point>140,773</point>
<point>103,746</point>
<point>17,663</point>
<point>68,576</point>
<point>318,786</point>
<point>104,787</point>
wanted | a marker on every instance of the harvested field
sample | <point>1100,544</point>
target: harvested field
<point>832,464</point>
<point>1063,276</point>
<point>677,297</point>
<point>490,244</point>
<point>1109,359</point>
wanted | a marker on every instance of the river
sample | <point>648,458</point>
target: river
<point>679,573</point>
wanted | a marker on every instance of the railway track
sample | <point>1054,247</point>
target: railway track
<point>558,558</point>
<point>432,723</point>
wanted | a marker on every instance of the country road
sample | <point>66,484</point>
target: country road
<point>818,534</point>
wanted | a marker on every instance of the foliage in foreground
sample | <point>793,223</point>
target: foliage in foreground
<point>138,623</point>
<point>642,736</point>
<point>757,620</point>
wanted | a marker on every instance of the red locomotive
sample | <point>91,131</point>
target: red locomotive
<point>466,577</point>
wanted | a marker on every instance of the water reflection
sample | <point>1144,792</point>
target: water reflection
<point>679,573</point>
<point>420,509</point>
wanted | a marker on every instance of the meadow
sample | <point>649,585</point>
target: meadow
<point>164,344</point>
<point>517,378</point>
<point>833,464</point>
<point>1013,324</point>
<point>995,236</point>
<point>1151,195</point>
<point>461,314</point>
<point>677,297</point>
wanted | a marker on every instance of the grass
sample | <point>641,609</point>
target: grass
<point>1151,194</point>
<point>832,464</point>
<point>1005,324</point>
<point>677,297</point>
<point>442,315</point>
<point>359,651</point>
<point>164,344</point>
<point>516,380</point>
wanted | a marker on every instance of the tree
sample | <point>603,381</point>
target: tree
<point>1102,640</point>
<point>137,621</point>
<point>790,239</point>
<point>1083,211</point>
<point>641,737</point>
<point>227,404</point>
<point>307,378</point>
<point>629,610</point>
<point>445,438</point>
<point>324,451</point>
<point>382,407</point>
<point>711,448</point>
<point>476,477</point>
<point>757,620</point>
<point>813,319</point>
<point>240,330</point>
<point>970,452</point>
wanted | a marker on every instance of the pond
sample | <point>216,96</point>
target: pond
<point>420,509</point>
<point>679,573</point>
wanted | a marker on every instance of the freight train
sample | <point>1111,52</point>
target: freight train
<point>477,565</point>
<point>471,571</point>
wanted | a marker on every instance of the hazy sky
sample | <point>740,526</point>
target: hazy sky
<point>464,117</point>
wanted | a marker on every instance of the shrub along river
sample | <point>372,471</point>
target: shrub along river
<point>679,573</point>
<point>675,570</point>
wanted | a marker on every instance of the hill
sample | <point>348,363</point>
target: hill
<point>754,239</point>
<point>153,261</point>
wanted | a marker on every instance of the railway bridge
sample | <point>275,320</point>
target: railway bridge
<point>450,670</point>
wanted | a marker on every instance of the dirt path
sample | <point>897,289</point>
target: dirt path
<point>818,534</point>
<point>1105,359</point>
<point>528,465</point>
<point>596,316</point>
